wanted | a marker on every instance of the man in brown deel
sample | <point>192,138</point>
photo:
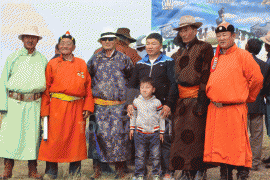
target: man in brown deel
<point>192,69</point>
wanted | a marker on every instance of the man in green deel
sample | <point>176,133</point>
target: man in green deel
<point>21,84</point>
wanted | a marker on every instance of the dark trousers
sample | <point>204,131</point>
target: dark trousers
<point>226,172</point>
<point>165,149</point>
<point>52,168</point>
<point>144,142</point>
<point>255,124</point>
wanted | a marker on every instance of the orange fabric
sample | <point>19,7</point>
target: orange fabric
<point>125,49</point>
<point>188,92</point>
<point>66,126</point>
<point>236,79</point>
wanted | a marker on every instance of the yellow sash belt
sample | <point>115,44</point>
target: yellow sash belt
<point>188,92</point>
<point>103,102</point>
<point>65,97</point>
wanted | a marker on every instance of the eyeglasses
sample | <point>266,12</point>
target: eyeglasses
<point>65,43</point>
<point>107,39</point>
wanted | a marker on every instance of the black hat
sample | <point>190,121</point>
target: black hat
<point>67,35</point>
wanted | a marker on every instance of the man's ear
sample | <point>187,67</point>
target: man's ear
<point>73,48</point>
<point>154,89</point>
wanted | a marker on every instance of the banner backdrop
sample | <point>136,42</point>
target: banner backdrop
<point>251,18</point>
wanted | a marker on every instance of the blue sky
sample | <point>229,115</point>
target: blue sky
<point>85,20</point>
<point>241,13</point>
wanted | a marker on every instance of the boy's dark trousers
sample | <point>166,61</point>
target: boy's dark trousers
<point>144,142</point>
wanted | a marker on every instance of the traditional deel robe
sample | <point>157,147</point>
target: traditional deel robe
<point>110,76</point>
<point>20,131</point>
<point>124,48</point>
<point>237,80</point>
<point>192,68</point>
<point>66,126</point>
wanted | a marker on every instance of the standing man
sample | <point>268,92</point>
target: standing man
<point>257,109</point>
<point>266,90</point>
<point>67,102</point>
<point>140,46</point>
<point>57,52</point>
<point>192,66</point>
<point>21,84</point>
<point>110,71</point>
<point>122,45</point>
<point>235,80</point>
<point>160,68</point>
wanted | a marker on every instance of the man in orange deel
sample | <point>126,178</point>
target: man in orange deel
<point>235,80</point>
<point>66,103</point>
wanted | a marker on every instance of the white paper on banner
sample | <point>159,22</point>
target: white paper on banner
<point>45,130</point>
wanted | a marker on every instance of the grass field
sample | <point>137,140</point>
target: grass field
<point>20,170</point>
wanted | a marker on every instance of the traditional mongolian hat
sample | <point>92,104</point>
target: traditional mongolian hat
<point>139,42</point>
<point>125,32</point>
<point>67,35</point>
<point>223,27</point>
<point>188,21</point>
<point>266,38</point>
<point>30,30</point>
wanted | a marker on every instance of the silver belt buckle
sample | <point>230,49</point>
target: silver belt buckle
<point>219,105</point>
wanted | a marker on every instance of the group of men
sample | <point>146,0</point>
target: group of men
<point>204,99</point>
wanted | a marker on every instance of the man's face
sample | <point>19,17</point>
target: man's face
<point>267,47</point>
<point>66,46</point>
<point>187,34</point>
<point>108,43</point>
<point>30,41</point>
<point>153,47</point>
<point>225,39</point>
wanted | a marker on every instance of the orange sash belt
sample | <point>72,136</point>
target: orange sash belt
<point>188,92</point>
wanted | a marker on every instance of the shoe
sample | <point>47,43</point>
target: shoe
<point>49,176</point>
<point>139,178</point>
<point>156,177</point>
<point>266,161</point>
<point>32,166</point>
<point>168,177</point>
<point>200,175</point>
<point>9,164</point>
<point>267,165</point>
<point>97,170</point>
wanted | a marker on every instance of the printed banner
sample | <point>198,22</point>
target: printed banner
<point>251,18</point>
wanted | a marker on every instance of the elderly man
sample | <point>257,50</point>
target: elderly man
<point>235,80</point>
<point>192,66</point>
<point>21,84</point>
<point>257,109</point>
<point>67,102</point>
<point>122,45</point>
<point>110,70</point>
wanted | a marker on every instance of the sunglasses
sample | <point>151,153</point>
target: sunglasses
<point>107,39</point>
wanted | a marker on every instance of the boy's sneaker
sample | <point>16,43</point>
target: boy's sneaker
<point>140,178</point>
<point>168,177</point>
<point>156,177</point>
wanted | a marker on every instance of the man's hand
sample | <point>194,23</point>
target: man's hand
<point>130,110</point>
<point>86,114</point>
<point>131,133</point>
<point>165,112</point>
<point>161,137</point>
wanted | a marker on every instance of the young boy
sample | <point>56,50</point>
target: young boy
<point>149,128</point>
